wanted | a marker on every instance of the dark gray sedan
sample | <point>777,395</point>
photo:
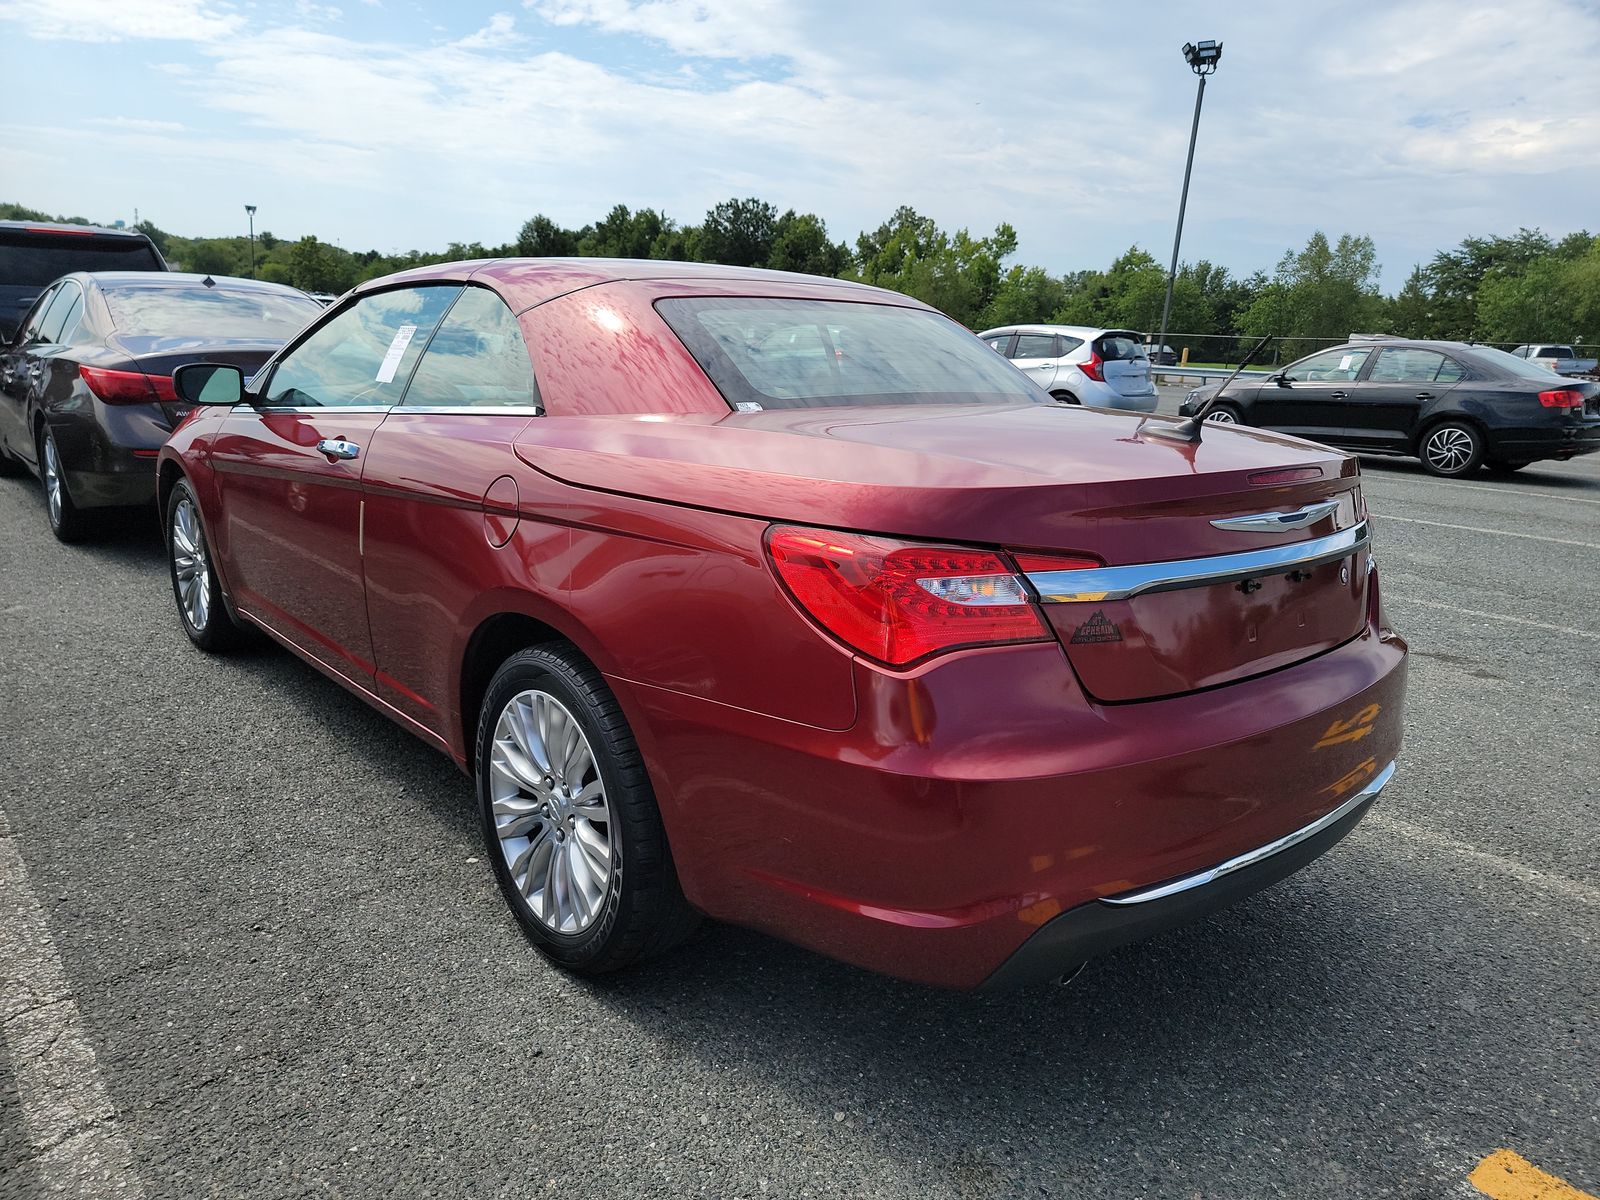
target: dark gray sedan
<point>86,397</point>
<point>1454,406</point>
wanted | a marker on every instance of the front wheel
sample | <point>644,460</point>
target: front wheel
<point>569,817</point>
<point>195,585</point>
<point>1224,414</point>
<point>1451,449</point>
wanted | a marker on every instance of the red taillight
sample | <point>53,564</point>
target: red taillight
<point>897,602</point>
<point>1092,367</point>
<point>1562,398</point>
<point>127,387</point>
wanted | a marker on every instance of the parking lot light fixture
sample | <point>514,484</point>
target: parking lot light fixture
<point>251,210</point>
<point>1202,58</point>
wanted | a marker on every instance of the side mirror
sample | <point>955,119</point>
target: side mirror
<point>1280,379</point>
<point>209,383</point>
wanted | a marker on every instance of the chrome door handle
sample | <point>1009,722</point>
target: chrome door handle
<point>1424,395</point>
<point>1338,395</point>
<point>338,448</point>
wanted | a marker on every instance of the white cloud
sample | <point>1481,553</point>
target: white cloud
<point>703,28</point>
<point>120,20</point>
<point>500,31</point>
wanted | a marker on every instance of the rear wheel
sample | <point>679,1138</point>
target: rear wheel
<point>569,817</point>
<point>194,580</point>
<point>1224,414</point>
<point>67,520</point>
<point>1500,466</point>
<point>1450,449</point>
<point>1064,398</point>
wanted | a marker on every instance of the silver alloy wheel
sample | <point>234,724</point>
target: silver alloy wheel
<point>190,566</point>
<point>550,811</point>
<point>1222,416</point>
<point>1448,449</point>
<point>52,479</point>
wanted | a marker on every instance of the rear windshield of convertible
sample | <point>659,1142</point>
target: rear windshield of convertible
<point>771,353</point>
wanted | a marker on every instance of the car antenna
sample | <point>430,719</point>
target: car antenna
<point>1189,431</point>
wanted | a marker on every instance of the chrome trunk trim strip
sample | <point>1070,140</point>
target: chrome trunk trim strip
<point>1121,583</point>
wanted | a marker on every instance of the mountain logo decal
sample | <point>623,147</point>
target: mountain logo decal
<point>1098,628</point>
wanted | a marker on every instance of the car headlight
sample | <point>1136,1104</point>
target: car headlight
<point>1193,397</point>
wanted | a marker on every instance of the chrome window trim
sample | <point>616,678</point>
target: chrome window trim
<point>1121,583</point>
<point>509,410</point>
<point>1260,853</point>
<point>313,408</point>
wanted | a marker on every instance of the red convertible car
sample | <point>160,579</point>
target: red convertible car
<point>786,601</point>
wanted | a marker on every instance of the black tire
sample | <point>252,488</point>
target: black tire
<point>1499,466</point>
<point>641,911</point>
<point>67,521</point>
<point>1450,449</point>
<point>203,614</point>
<point>1225,414</point>
<point>1064,398</point>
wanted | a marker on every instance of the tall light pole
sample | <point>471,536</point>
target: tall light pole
<point>1202,58</point>
<point>251,209</point>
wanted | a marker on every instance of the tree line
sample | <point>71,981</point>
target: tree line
<point>1517,288</point>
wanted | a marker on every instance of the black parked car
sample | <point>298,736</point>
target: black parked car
<point>1455,407</point>
<point>34,254</point>
<point>86,397</point>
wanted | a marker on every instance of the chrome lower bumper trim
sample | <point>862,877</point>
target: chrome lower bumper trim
<point>1121,583</point>
<point>1251,857</point>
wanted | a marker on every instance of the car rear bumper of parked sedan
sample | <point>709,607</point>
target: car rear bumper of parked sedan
<point>1563,441</point>
<point>980,799</point>
<point>109,457</point>
<point>1062,945</point>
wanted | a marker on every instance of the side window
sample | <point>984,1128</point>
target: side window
<point>1450,371</point>
<point>1000,343</point>
<point>1036,345</point>
<point>364,355</point>
<point>1331,366</point>
<point>1069,344</point>
<point>37,314</point>
<point>64,312</point>
<point>476,358</point>
<point>1407,366</point>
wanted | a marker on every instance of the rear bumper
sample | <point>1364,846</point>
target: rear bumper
<point>1103,925</point>
<point>978,800</point>
<point>1557,441</point>
<point>108,454</point>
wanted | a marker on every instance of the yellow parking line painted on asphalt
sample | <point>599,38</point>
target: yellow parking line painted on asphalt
<point>1506,1175</point>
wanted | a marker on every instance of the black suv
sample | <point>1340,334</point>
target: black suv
<point>34,254</point>
<point>1454,406</point>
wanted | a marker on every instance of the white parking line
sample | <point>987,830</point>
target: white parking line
<point>1473,612</point>
<point>1499,491</point>
<point>70,1122</point>
<point>1532,537</point>
<point>1548,881</point>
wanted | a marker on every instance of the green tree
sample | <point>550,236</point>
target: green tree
<point>315,266</point>
<point>540,237</point>
<point>1321,291</point>
<point>1411,310</point>
<point>800,243</point>
<point>1455,276</point>
<point>739,233</point>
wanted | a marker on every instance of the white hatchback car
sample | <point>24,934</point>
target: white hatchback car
<point>1104,368</point>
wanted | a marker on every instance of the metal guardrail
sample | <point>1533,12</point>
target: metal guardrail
<point>1181,372</point>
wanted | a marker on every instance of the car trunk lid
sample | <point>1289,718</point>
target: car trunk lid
<point>159,357</point>
<point>1124,363</point>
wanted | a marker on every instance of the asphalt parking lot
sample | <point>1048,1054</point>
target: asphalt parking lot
<point>251,947</point>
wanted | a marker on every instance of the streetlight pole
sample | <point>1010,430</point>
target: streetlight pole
<point>251,209</point>
<point>1202,58</point>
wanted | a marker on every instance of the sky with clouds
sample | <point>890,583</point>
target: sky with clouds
<point>392,124</point>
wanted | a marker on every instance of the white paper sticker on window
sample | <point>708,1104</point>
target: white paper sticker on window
<point>747,406</point>
<point>397,349</point>
<point>1344,363</point>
